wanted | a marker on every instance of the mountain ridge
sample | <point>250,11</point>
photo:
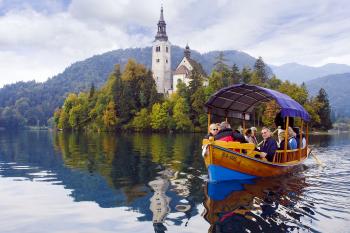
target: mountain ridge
<point>45,97</point>
<point>337,87</point>
<point>299,73</point>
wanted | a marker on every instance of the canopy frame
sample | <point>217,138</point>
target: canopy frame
<point>235,100</point>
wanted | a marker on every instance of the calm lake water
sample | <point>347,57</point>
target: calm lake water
<point>56,182</point>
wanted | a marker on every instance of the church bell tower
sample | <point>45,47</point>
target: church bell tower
<point>161,58</point>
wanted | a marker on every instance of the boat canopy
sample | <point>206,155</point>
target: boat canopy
<point>240,100</point>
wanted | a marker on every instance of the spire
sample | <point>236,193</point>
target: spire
<point>187,52</point>
<point>161,33</point>
<point>161,14</point>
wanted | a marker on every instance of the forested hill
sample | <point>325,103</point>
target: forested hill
<point>337,87</point>
<point>31,103</point>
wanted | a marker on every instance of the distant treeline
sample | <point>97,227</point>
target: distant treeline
<point>129,100</point>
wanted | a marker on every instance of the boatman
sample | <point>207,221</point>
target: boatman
<point>269,146</point>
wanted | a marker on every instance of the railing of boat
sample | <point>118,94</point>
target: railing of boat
<point>290,155</point>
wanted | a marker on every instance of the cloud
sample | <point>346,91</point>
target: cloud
<point>40,38</point>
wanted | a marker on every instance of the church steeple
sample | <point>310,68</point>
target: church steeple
<point>161,34</point>
<point>187,52</point>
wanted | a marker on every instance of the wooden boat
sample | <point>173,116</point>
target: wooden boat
<point>235,160</point>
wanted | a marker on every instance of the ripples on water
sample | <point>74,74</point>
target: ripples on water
<point>157,183</point>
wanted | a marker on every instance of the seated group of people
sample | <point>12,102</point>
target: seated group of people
<point>270,145</point>
<point>224,132</point>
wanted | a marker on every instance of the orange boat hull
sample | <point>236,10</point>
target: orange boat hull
<point>225,161</point>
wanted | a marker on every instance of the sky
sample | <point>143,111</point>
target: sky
<point>40,38</point>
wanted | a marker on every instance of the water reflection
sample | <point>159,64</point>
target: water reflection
<point>116,171</point>
<point>262,205</point>
<point>159,180</point>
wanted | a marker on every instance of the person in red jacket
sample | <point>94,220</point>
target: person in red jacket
<point>225,133</point>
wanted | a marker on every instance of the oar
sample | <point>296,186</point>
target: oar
<point>318,161</point>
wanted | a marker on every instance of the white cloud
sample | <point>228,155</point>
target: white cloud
<point>39,41</point>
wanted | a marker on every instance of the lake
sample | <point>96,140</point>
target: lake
<point>71,182</point>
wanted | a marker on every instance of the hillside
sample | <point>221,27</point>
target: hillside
<point>35,102</point>
<point>337,87</point>
<point>300,73</point>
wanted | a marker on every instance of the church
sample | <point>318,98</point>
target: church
<point>165,78</point>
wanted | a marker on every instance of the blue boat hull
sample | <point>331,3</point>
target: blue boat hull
<point>218,173</point>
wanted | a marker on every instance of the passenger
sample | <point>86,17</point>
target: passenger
<point>291,139</point>
<point>248,136</point>
<point>237,136</point>
<point>297,137</point>
<point>254,132</point>
<point>225,133</point>
<point>213,130</point>
<point>269,146</point>
<point>281,139</point>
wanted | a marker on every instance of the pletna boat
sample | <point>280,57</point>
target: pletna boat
<point>237,161</point>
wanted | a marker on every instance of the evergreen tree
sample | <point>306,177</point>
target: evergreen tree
<point>220,62</point>
<point>325,110</point>
<point>235,75</point>
<point>92,91</point>
<point>246,74</point>
<point>260,70</point>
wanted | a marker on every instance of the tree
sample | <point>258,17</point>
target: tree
<point>141,120</point>
<point>63,122</point>
<point>325,110</point>
<point>216,81</point>
<point>159,117</point>
<point>219,64</point>
<point>110,119</point>
<point>197,102</point>
<point>180,115</point>
<point>92,91</point>
<point>274,83</point>
<point>235,75</point>
<point>296,92</point>
<point>260,70</point>
<point>246,74</point>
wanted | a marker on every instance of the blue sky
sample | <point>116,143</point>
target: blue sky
<point>39,38</point>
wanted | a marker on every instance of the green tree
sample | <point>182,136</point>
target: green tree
<point>274,83</point>
<point>220,62</point>
<point>325,110</point>
<point>141,120</point>
<point>180,115</point>
<point>246,74</point>
<point>159,117</point>
<point>235,75</point>
<point>92,91</point>
<point>260,70</point>
<point>296,92</point>
<point>63,122</point>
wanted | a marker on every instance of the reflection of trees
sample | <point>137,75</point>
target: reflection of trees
<point>129,162</point>
<point>269,205</point>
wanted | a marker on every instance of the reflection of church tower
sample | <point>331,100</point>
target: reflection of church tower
<point>159,203</point>
<point>161,58</point>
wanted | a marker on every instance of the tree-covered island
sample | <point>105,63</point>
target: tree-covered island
<point>129,100</point>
